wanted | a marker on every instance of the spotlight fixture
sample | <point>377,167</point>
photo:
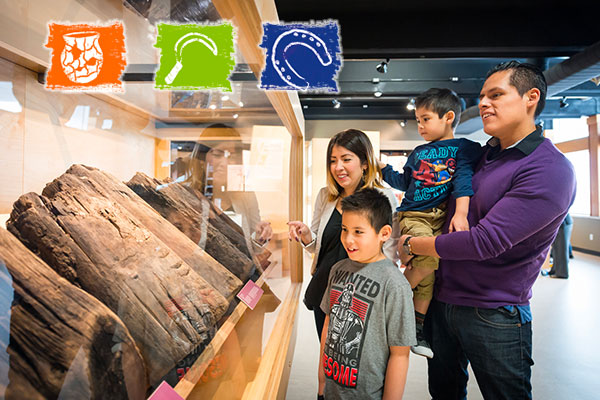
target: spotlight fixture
<point>454,78</point>
<point>411,105</point>
<point>336,103</point>
<point>225,98</point>
<point>212,106</point>
<point>235,116</point>
<point>377,94</point>
<point>563,103</point>
<point>403,123</point>
<point>382,67</point>
<point>365,106</point>
<point>305,106</point>
<point>241,104</point>
<point>375,80</point>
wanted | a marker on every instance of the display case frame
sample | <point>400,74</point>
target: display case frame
<point>270,381</point>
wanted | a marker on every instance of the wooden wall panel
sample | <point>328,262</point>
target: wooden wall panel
<point>12,134</point>
<point>55,130</point>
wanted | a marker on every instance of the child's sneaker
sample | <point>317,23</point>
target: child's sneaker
<point>422,348</point>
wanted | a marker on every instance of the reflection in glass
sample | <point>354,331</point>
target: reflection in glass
<point>8,101</point>
<point>80,118</point>
<point>6,299</point>
<point>216,168</point>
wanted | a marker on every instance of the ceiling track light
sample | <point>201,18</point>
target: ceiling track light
<point>403,123</point>
<point>382,67</point>
<point>411,105</point>
<point>336,103</point>
<point>377,94</point>
<point>563,102</point>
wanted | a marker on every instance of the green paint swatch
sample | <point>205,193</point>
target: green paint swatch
<point>195,57</point>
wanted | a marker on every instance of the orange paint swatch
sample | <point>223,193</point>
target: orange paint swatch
<point>86,57</point>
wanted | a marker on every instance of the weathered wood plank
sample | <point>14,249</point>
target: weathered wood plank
<point>103,184</point>
<point>229,228</point>
<point>91,239</point>
<point>63,341</point>
<point>197,221</point>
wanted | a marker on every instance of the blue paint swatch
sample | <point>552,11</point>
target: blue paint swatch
<point>303,57</point>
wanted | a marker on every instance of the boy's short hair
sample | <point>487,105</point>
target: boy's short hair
<point>524,77</point>
<point>440,101</point>
<point>371,202</point>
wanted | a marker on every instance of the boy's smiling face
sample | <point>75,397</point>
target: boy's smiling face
<point>361,241</point>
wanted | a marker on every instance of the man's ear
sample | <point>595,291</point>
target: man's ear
<point>385,233</point>
<point>533,97</point>
<point>450,115</point>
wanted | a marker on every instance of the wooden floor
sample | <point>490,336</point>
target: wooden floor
<point>566,341</point>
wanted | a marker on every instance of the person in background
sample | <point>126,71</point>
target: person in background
<point>561,251</point>
<point>351,166</point>
<point>219,147</point>
<point>480,313</point>
<point>369,323</point>
<point>432,172</point>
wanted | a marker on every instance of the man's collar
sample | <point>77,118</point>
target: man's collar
<point>526,145</point>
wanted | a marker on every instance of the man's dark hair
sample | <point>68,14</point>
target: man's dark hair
<point>373,204</point>
<point>440,101</point>
<point>524,77</point>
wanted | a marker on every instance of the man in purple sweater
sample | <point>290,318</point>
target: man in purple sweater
<point>523,188</point>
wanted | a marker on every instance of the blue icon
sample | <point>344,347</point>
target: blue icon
<point>304,57</point>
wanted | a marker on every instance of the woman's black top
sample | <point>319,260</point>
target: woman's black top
<point>330,253</point>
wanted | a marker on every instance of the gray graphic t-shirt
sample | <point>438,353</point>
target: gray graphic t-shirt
<point>370,308</point>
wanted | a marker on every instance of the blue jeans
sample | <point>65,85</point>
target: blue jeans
<point>494,341</point>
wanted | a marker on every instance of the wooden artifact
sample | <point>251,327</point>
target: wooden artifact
<point>97,244</point>
<point>197,221</point>
<point>200,261</point>
<point>229,228</point>
<point>58,341</point>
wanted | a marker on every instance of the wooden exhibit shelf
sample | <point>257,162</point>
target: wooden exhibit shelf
<point>192,377</point>
<point>270,380</point>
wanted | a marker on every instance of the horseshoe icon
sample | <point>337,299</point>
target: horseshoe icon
<point>180,45</point>
<point>297,37</point>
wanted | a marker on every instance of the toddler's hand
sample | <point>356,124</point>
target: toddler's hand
<point>458,223</point>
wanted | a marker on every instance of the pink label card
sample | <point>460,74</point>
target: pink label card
<point>250,294</point>
<point>165,392</point>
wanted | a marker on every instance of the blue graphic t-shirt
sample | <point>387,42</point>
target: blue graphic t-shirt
<point>433,171</point>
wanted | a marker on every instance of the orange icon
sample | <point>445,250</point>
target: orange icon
<point>86,57</point>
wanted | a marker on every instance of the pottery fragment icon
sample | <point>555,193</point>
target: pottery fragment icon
<point>86,57</point>
<point>81,58</point>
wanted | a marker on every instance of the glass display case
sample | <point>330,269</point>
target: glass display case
<point>133,220</point>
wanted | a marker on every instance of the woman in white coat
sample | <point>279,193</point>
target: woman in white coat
<point>351,166</point>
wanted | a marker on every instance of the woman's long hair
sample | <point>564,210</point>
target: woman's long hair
<point>357,142</point>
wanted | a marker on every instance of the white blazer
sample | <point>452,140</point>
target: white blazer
<point>321,214</point>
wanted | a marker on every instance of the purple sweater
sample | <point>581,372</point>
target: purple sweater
<point>521,197</point>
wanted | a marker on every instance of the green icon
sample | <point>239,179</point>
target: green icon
<point>195,57</point>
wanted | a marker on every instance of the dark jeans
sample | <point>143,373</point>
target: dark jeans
<point>494,341</point>
<point>319,320</point>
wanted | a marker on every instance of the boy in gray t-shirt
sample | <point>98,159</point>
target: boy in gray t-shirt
<point>370,323</point>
